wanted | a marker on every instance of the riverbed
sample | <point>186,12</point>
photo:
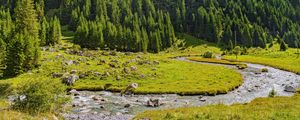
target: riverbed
<point>105,105</point>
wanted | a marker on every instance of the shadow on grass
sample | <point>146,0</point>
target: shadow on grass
<point>192,41</point>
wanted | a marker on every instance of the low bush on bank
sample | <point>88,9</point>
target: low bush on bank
<point>5,89</point>
<point>208,55</point>
<point>39,96</point>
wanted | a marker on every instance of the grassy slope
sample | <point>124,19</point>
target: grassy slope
<point>279,108</point>
<point>170,76</point>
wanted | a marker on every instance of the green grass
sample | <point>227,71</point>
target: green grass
<point>175,77</point>
<point>278,108</point>
<point>209,60</point>
<point>282,60</point>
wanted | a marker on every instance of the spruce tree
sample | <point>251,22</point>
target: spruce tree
<point>15,57</point>
<point>54,35</point>
<point>23,50</point>
<point>44,28</point>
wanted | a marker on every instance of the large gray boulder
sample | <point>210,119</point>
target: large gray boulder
<point>289,88</point>
<point>70,80</point>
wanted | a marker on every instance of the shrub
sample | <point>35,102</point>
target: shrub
<point>208,55</point>
<point>5,89</point>
<point>272,93</point>
<point>39,96</point>
<point>242,66</point>
<point>264,70</point>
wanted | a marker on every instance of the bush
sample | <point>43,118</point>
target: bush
<point>272,93</point>
<point>5,89</point>
<point>264,70</point>
<point>242,66</point>
<point>208,55</point>
<point>39,96</point>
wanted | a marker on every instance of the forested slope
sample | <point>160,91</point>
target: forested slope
<point>226,22</point>
<point>141,25</point>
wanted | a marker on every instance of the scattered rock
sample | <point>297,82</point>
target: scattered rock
<point>289,88</point>
<point>70,80</point>
<point>114,61</point>
<point>118,77</point>
<point>139,56</point>
<point>126,70</point>
<point>96,98</point>
<point>81,76</point>
<point>156,62</point>
<point>127,106</point>
<point>57,75</point>
<point>130,88</point>
<point>103,61</point>
<point>118,113</point>
<point>58,56</point>
<point>113,65</point>
<point>133,68</point>
<point>154,69</point>
<point>70,62</point>
<point>153,103</point>
<point>74,92</point>
<point>142,76</point>
<point>97,74</point>
<point>73,72</point>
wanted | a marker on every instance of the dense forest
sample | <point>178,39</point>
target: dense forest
<point>141,25</point>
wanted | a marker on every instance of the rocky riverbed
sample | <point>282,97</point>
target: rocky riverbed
<point>105,105</point>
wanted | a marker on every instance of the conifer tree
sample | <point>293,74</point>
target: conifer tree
<point>15,57</point>
<point>54,35</point>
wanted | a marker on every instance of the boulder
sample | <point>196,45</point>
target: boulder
<point>74,92</point>
<point>129,89</point>
<point>154,103</point>
<point>70,80</point>
<point>289,88</point>
<point>127,106</point>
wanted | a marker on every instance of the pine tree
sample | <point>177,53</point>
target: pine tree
<point>15,56</point>
<point>27,40</point>
<point>2,54</point>
<point>26,17</point>
<point>54,33</point>
<point>43,31</point>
